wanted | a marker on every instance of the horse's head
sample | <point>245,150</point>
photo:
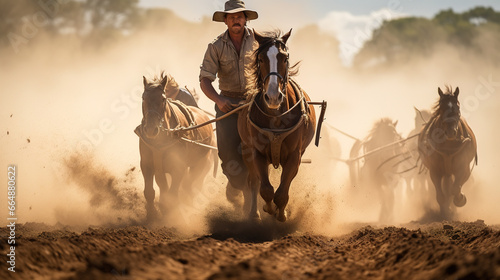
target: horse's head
<point>153,106</point>
<point>272,67</point>
<point>383,133</point>
<point>386,129</point>
<point>448,109</point>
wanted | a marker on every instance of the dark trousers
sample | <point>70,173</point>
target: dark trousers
<point>229,146</point>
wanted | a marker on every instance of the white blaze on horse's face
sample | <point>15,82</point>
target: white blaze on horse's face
<point>451,119</point>
<point>272,92</point>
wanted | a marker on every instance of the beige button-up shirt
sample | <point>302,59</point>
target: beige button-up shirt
<point>221,60</point>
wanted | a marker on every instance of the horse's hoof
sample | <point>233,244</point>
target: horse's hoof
<point>151,215</point>
<point>164,207</point>
<point>255,217</point>
<point>233,195</point>
<point>268,208</point>
<point>460,200</point>
<point>281,217</point>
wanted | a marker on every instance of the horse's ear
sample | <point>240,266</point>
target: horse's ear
<point>286,36</point>
<point>164,81</point>
<point>395,123</point>
<point>258,37</point>
<point>145,81</point>
<point>440,92</point>
<point>457,91</point>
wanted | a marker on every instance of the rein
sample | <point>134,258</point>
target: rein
<point>172,113</point>
<point>174,132</point>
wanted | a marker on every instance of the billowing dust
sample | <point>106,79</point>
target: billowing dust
<point>69,109</point>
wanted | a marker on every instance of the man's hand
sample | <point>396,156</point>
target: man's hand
<point>225,104</point>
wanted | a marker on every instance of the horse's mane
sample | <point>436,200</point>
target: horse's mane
<point>437,107</point>
<point>255,81</point>
<point>157,79</point>
<point>422,117</point>
<point>378,128</point>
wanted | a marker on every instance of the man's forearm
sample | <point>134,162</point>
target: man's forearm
<point>209,90</point>
<point>223,103</point>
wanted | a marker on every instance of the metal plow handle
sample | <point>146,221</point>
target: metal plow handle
<point>320,120</point>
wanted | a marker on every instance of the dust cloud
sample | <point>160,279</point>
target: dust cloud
<point>78,106</point>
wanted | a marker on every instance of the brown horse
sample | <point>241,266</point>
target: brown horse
<point>277,126</point>
<point>164,149</point>
<point>447,147</point>
<point>375,165</point>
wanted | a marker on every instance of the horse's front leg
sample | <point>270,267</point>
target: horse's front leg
<point>461,176</point>
<point>253,184</point>
<point>387,200</point>
<point>147,168</point>
<point>253,161</point>
<point>290,170</point>
<point>193,181</point>
<point>441,196</point>
<point>161,179</point>
<point>171,196</point>
<point>260,169</point>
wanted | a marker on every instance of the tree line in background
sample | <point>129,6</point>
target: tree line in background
<point>97,21</point>
<point>474,32</point>
<point>101,23</point>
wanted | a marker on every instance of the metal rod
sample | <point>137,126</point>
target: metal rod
<point>384,147</point>
<point>214,120</point>
<point>198,143</point>
<point>315,102</point>
<point>343,133</point>
<point>320,121</point>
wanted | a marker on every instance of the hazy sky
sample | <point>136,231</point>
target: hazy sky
<point>350,21</point>
<point>194,9</point>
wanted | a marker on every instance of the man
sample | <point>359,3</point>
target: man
<point>229,57</point>
<point>173,91</point>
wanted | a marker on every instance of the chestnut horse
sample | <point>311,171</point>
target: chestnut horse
<point>276,127</point>
<point>164,149</point>
<point>447,147</point>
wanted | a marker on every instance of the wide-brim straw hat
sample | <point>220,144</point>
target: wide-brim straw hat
<point>234,6</point>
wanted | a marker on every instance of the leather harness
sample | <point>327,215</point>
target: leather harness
<point>276,136</point>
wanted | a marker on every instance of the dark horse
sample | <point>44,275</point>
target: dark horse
<point>276,127</point>
<point>447,147</point>
<point>164,149</point>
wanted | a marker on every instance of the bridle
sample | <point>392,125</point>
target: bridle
<point>162,126</point>
<point>453,120</point>
<point>284,80</point>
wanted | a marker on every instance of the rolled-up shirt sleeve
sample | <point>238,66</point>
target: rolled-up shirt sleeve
<point>210,64</point>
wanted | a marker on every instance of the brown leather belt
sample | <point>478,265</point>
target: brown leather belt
<point>239,95</point>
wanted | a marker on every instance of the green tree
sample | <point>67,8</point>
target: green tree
<point>99,21</point>
<point>476,31</point>
<point>398,41</point>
